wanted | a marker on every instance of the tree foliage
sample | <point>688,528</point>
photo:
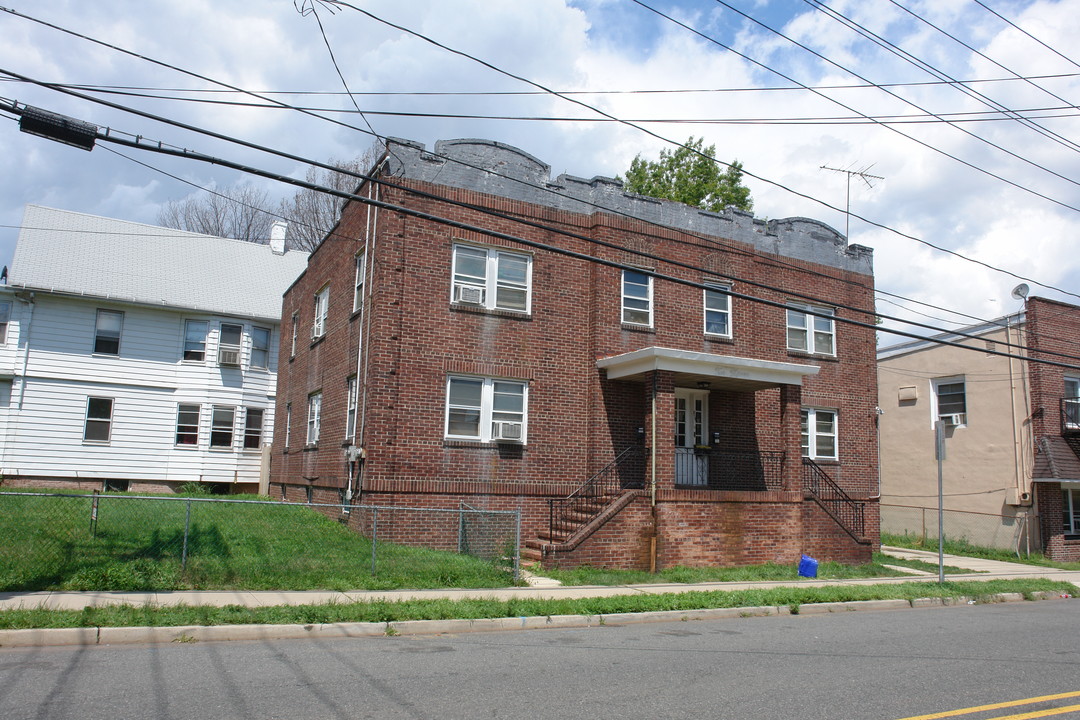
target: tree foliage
<point>690,174</point>
<point>245,212</point>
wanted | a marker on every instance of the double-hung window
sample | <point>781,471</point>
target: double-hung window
<point>637,298</point>
<point>314,417</point>
<point>717,310</point>
<point>486,409</point>
<point>253,425</point>
<point>221,426</point>
<point>358,291</point>
<point>491,278</point>
<point>1071,405</point>
<point>229,340</point>
<point>818,428</point>
<point>98,426</point>
<point>195,340</point>
<point>322,309</point>
<point>811,333</point>
<point>260,347</point>
<point>1070,511</point>
<point>350,408</point>
<point>187,424</point>
<point>950,400</point>
<point>107,331</point>
<point>5,318</point>
<point>295,333</point>
<point>288,425</point>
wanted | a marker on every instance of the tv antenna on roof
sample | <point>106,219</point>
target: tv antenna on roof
<point>866,178</point>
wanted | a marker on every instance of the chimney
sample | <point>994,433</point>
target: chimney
<point>277,237</point>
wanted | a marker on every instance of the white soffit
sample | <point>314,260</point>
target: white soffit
<point>763,372</point>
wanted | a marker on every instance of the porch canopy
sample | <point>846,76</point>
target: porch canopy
<point>691,368</point>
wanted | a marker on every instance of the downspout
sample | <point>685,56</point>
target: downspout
<point>370,226</point>
<point>26,346</point>
<point>652,480</point>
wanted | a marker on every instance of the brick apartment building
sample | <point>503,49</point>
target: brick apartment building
<point>587,356</point>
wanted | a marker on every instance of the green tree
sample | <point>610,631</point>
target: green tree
<point>691,175</point>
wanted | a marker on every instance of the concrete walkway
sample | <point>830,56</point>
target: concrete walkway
<point>539,588</point>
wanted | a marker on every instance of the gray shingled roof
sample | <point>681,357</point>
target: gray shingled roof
<point>1057,458</point>
<point>69,252</point>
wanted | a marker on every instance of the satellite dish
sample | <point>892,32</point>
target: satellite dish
<point>1020,292</point>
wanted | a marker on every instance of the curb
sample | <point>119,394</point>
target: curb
<point>50,637</point>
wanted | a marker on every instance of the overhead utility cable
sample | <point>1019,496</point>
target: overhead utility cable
<point>1010,23</point>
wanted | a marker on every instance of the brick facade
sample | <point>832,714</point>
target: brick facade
<point>409,337</point>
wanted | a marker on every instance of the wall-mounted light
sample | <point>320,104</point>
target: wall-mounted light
<point>641,434</point>
<point>703,384</point>
<point>60,128</point>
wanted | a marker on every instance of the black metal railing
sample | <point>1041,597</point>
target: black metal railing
<point>625,472</point>
<point>710,469</point>
<point>846,511</point>
<point>1070,415</point>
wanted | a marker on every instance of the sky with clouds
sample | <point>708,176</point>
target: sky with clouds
<point>997,183</point>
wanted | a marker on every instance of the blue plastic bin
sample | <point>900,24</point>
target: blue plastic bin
<point>807,567</point>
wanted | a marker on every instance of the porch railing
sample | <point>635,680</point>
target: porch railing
<point>625,472</point>
<point>710,469</point>
<point>841,507</point>
<point>1070,416</point>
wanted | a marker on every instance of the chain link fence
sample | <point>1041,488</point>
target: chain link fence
<point>61,541</point>
<point>1018,533</point>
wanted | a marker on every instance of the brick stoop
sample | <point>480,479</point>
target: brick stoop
<point>546,547</point>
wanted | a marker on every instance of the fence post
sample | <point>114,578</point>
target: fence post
<point>374,536</point>
<point>187,527</point>
<point>461,527</point>
<point>517,545</point>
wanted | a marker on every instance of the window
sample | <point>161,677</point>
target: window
<point>221,427</point>
<point>810,333</point>
<point>1072,403</point>
<point>195,340</point>
<point>107,332</point>
<point>314,416</point>
<point>260,348</point>
<point>5,318</point>
<point>361,269</point>
<point>1070,511</point>
<point>229,344</point>
<point>486,409</point>
<point>818,434</point>
<point>350,405</point>
<point>490,278</point>
<point>322,307</point>
<point>637,288</point>
<point>288,425</point>
<point>187,424</point>
<point>295,333</point>
<point>950,401</point>
<point>253,424</point>
<point>98,427</point>
<point>717,310</point>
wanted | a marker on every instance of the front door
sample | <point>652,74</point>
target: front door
<point>691,433</point>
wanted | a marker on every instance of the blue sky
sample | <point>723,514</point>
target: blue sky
<point>939,180</point>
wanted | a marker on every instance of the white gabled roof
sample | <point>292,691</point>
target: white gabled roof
<point>74,253</point>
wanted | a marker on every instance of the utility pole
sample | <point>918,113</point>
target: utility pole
<point>866,178</point>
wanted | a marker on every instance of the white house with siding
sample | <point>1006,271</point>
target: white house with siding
<point>138,357</point>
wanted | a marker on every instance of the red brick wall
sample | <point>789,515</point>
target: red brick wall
<point>1051,327</point>
<point>1056,547</point>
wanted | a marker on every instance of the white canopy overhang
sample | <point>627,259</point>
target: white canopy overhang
<point>695,368</point>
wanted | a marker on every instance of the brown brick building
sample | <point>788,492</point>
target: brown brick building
<point>598,360</point>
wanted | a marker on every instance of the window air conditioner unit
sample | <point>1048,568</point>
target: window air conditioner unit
<point>506,431</point>
<point>469,294</point>
<point>229,356</point>
<point>954,419</point>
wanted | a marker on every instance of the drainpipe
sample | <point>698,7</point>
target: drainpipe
<point>26,345</point>
<point>652,480</point>
<point>370,226</point>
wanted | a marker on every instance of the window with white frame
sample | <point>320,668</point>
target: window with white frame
<point>295,334</point>
<point>260,347</point>
<point>288,425</point>
<point>1071,405</point>
<point>5,318</point>
<point>818,427</point>
<point>361,271</point>
<point>229,338</point>
<point>491,278</point>
<point>717,310</point>
<point>486,409</point>
<point>350,407</point>
<point>950,400</point>
<point>314,417</point>
<point>1070,511</point>
<point>187,424</point>
<point>322,309</point>
<point>811,333</point>
<point>253,427</point>
<point>98,425</point>
<point>222,424</point>
<point>637,297</point>
<point>107,331</point>
<point>195,340</point>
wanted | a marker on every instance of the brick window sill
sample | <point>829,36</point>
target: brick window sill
<point>495,312</point>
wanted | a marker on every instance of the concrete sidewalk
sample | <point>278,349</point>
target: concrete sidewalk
<point>981,570</point>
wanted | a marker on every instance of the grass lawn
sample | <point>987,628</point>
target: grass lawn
<point>963,547</point>
<point>49,543</point>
